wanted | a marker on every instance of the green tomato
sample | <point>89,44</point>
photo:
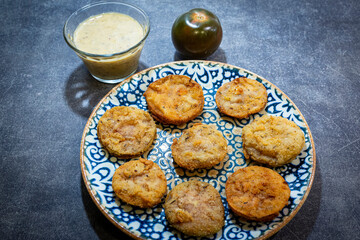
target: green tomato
<point>197,33</point>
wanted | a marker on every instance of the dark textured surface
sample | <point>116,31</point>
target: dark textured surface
<point>309,49</point>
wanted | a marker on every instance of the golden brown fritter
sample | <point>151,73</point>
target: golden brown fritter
<point>174,99</point>
<point>201,146</point>
<point>272,140</point>
<point>257,193</point>
<point>195,208</point>
<point>126,132</point>
<point>241,97</point>
<point>140,183</point>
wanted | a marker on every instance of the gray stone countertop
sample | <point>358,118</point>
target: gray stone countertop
<point>309,49</point>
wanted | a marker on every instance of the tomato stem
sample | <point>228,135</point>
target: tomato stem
<point>198,17</point>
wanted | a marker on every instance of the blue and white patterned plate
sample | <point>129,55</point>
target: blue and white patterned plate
<point>98,166</point>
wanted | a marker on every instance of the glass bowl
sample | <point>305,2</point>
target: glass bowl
<point>114,67</point>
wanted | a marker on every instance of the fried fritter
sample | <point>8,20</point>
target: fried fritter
<point>257,193</point>
<point>201,146</point>
<point>140,183</point>
<point>195,208</point>
<point>241,97</point>
<point>272,140</point>
<point>126,132</point>
<point>174,99</point>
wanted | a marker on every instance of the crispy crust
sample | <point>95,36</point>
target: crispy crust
<point>257,193</point>
<point>195,208</point>
<point>174,99</point>
<point>126,132</point>
<point>140,183</point>
<point>272,140</point>
<point>201,146</point>
<point>241,97</point>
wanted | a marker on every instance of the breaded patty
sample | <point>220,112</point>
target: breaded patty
<point>195,208</point>
<point>257,193</point>
<point>272,140</point>
<point>174,99</point>
<point>201,146</point>
<point>140,183</point>
<point>126,132</point>
<point>241,97</point>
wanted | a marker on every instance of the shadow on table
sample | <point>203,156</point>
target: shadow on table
<point>101,225</point>
<point>83,92</point>
<point>217,56</point>
<point>302,224</point>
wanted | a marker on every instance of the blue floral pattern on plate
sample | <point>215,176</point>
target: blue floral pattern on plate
<point>98,166</point>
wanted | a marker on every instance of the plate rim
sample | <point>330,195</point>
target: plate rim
<point>187,62</point>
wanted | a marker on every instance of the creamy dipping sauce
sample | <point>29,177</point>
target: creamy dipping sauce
<point>110,33</point>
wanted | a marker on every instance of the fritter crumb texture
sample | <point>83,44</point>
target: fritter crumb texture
<point>241,97</point>
<point>201,146</point>
<point>272,140</point>
<point>174,99</point>
<point>257,193</point>
<point>126,132</point>
<point>195,208</point>
<point>140,183</point>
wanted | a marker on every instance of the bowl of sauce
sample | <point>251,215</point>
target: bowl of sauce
<point>109,38</point>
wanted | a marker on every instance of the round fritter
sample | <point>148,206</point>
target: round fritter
<point>174,99</point>
<point>241,97</point>
<point>140,183</point>
<point>272,140</point>
<point>257,193</point>
<point>201,146</point>
<point>126,132</point>
<point>195,208</point>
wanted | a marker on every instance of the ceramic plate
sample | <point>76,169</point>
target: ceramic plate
<point>98,166</point>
